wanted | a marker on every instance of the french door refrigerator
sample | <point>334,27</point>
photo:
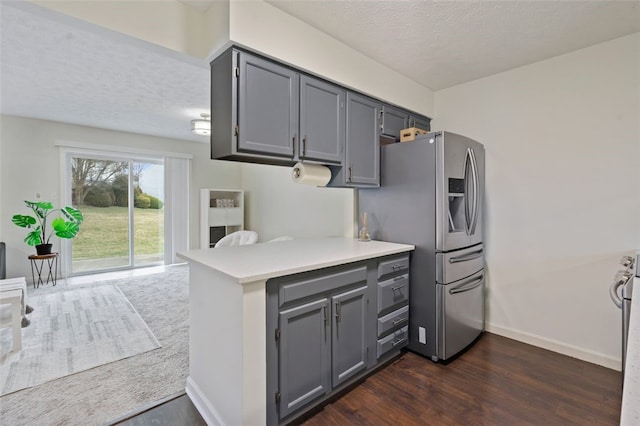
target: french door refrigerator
<point>431,196</point>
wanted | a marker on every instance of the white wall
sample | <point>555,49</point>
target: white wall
<point>562,140</point>
<point>277,206</point>
<point>30,163</point>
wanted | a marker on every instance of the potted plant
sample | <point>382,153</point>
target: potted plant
<point>65,226</point>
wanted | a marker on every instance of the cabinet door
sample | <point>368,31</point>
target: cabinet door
<point>322,120</point>
<point>349,345</point>
<point>393,121</point>
<point>304,355</point>
<point>267,107</point>
<point>362,145</point>
<point>420,122</point>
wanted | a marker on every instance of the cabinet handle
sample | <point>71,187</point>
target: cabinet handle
<point>349,175</point>
<point>399,321</point>
<point>397,287</point>
<point>338,311</point>
<point>397,342</point>
<point>293,145</point>
<point>326,317</point>
<point>396,267</point>
<point>304,145</point>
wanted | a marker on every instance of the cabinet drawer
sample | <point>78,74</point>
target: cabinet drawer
<point>318,284</point>
<point>392,266</point>
<point>393,320</point>
<point>395,340</point>
<point>393,292</point>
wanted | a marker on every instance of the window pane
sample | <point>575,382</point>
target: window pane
<point>148,214</point>
<point>100,190</point>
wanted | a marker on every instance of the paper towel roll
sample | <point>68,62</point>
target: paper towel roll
<point>311,174</point>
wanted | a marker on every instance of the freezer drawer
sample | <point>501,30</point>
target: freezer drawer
<point>456,265</point>
<point>460,314</point>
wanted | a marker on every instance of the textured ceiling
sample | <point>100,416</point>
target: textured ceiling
<point>55,67</point>
<point>443,43</point>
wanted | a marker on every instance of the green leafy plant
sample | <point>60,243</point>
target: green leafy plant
<point>66,225</point>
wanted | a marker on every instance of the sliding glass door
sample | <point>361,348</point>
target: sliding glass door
<point>122,200</point>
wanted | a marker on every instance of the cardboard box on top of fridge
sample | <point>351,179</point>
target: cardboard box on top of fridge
<point>410,134</point>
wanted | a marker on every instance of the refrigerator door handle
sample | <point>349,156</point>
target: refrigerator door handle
<point>474,170</point>
<point>467,208</point>
<point>467,286</point>
<point>470,256</point>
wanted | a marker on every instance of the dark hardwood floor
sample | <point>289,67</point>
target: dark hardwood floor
<point>498,381</point>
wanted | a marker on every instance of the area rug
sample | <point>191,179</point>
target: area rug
<point>72,331</point>
<point>99,395</point>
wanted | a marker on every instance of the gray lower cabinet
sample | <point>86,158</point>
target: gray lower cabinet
<point>392,305</point>
<point>348,334</point>
<point>322,121</point>
<point>329,328</point>
<point>304,355</point>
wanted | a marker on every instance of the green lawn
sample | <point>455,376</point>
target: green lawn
<point>104,232</point>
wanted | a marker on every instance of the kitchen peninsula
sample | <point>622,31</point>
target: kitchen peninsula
<point>227,300</point>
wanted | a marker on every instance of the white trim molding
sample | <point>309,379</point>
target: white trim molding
<point>556,346</point>
<point>93,148</point>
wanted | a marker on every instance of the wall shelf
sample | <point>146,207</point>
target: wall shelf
<point>221,213</point>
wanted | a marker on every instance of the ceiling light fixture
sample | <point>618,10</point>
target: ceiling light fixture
<point>201,126</point>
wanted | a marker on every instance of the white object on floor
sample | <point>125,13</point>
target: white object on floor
<point>14,319</point>
<point>18,284</point>
<point>238,238</point>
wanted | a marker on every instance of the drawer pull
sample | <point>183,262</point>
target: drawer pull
<point>399,321</point>
<point>399,341</point>
<point>397,287</point>
<point>396,267</point>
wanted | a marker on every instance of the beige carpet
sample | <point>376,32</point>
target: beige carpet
<point>72,331</point>
<point>101,394</point>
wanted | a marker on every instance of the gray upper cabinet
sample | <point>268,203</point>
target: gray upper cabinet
<point>304,355</point>
<point>263,111</point>
<point>419,121</point>
<point>267,107</point>
<point>393,120</point>
<point>349,342</point>
<point>322,121</point>
<point>362,160</point>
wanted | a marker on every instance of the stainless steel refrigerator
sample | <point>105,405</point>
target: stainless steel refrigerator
<point>431,195</point>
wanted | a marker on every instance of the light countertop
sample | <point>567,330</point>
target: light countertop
<point>256,262</point>
<point>630,413</point>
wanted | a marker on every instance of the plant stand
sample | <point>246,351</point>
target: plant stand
<point>52,264</point>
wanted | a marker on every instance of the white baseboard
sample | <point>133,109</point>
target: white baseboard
<point>556,346</point>
<point>202,404</point>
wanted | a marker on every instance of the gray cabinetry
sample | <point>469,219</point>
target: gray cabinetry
<point>267,107</point>
<point>349,345</point>
<point>322,328</point>
<point>362,150</point>
<point>304,355</point>
<point>254,104</point>
<point>419,121</point>
<point>322,121</point>
<point>393,120</point>
<point>392,305</point>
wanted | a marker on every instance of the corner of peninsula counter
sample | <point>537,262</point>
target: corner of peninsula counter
<point>227,337</point>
